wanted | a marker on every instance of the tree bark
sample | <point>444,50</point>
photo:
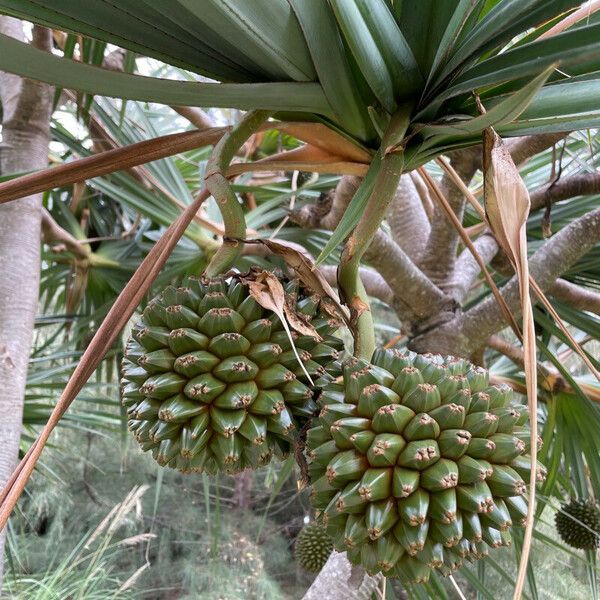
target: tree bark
<point>439,257</point>
<point>339,580</point>
<point>408,220</point>
<point>470,330</point>
<point>26,107</point>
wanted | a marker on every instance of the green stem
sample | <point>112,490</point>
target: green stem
<point>376,209</point>
<point>219,187</point>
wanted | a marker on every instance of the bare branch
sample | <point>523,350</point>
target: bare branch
<point>523,148</point>
<point>440,255</point>
<point>423,192</point>
<point>577,296</point>
<point>407,218</point>
<point>569,187</point>
<point>53,233</point>
<point>195,116</point>
<point>415,296</point>
<point>467,270</point>
<point>470,330</point>
<point>340,199</point>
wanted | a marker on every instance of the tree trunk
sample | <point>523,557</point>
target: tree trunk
<point>26,107</point>
<point>339,580</point>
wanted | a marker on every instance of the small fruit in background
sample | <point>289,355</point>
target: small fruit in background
<point>313,547</point>
<point>578,524</point>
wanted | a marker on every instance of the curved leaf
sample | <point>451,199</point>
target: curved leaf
<point>27,61</point>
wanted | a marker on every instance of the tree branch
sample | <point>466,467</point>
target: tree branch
<point>424,196</point>
<point>577,296</point>
<point>26,110</point>
<point>408,220</point>
<point>415,296</point>
<point>523,148</point>
<point>375,285</point>
<point>467,270</point>
<point>195,116</point>
<point>469,331</point>
<point>53,233</point>
<point>439,258</point>
<point>569,187</point>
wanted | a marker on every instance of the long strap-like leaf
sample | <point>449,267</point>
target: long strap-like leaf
<point>27,61</point>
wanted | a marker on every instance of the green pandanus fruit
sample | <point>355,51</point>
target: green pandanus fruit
<point>578,524</point>
<point>211,380</point>
<point>313,547</point>
<point>418,463</point>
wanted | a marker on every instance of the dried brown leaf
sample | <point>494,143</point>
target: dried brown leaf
<point>300,261</point>
<point>297,320</point>
<point>103,163</point>
<point>507,208</point>
<point>325,138</point>
<point>267,290</point>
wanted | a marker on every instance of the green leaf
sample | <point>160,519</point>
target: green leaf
<point>368,57</point>
<point>569,98</point>
<point>571,46</point>
<point>267,30</point>
<point>354,211</point>
<point>27,61</point>
<point>424,24</point>
<point>504,21</point>
<point>454,28</point>
<point>503,112</point>
<point>155,38</point>
<point>328,55</point>
<point>397,55</point>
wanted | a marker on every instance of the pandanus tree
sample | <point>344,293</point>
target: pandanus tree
<point>417,462</point>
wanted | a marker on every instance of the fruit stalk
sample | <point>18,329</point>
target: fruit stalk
<point>355,296</point>
<point>220,188</point>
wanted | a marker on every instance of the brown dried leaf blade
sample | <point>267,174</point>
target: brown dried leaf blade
<point>302,263</point>
<point>267,290</point>
<point>507,208</point>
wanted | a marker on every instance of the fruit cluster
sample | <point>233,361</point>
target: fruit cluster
<point>417,462</point>
<point>578,524</point>
<point>211,381</point>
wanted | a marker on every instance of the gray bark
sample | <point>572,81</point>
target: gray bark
<point>469,331</point>
<point>467,270</point>
<point>439,258</point>
<point>339,580</point>
<point>408,220</point>
<point>25,135</point>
